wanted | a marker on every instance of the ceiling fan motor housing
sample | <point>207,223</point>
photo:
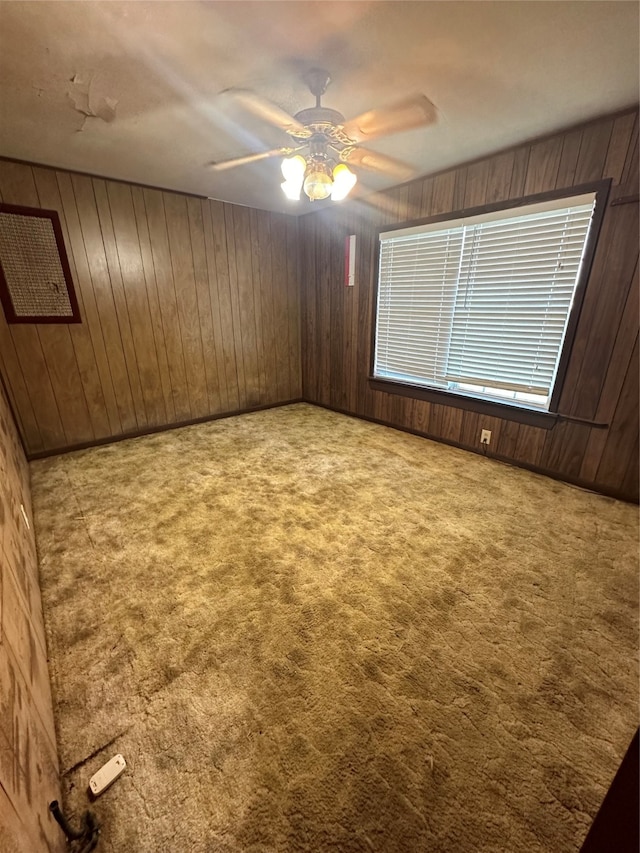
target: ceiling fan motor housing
<point>317,116</point>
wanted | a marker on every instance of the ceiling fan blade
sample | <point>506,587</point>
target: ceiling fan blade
<point>221,165</point>
<point>375,162</point>
<point>266,110</point>
<point>415,111</point>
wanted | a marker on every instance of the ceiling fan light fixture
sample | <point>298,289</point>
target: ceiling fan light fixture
<point>326,137</point>
<point>317,180</point>
<point>291,189</point>
<point>293,169</point>
<point>344,181</point>
<point>317,177</point>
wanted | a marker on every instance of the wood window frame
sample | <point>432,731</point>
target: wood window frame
<point>506,410</point>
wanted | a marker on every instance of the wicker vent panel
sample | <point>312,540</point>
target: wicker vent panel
<point>36,282</point>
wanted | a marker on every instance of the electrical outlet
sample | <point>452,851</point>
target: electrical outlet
<point>485,436</point>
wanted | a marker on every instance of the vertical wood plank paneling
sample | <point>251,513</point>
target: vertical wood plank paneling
<point>120,300</point>
<point>460,186</point>
<point>17,187</point>
<point>571,144</point>
<point>403,213</point>
<point>597,383</point>
<point>629,180</point>
<point>293,308</point>
<point>17,392</point>
<point>258,275</point>
<point>60,358</point>
<point>519,172</point>
<point>470,432</point>
<point>476,185</point>
<point>15,385</point>
<point>29,770</point>
<point>189,308</point>
<point>155,311</point>
<point>401,409</point>
<point>426,200</point>
<point>499,177</point>
<point>186,300</point>
<point>622,439</point>
<point>436,413</point>
<point>161,254</point>
<point>617,277</point>
<point>308,306</point>
<point>508,439</point>
<point>281,327</point>
<point>353,298</point>
<point>420,415</point>
<point>231,341</point>
<point>79,387</point>
<point>103,401</point>
<point>542,169</point>
<point>293,312</point>
<point>593,152</point>
<point>630,482</point>
<point>129,264</point>
<point>203,301</point>
<point>264,260</point>
<point>235,307</point>
<point>254,281</point>
<point>529,444</point>
<point>323,311</point>
<point>442,199</point>
<point>224,355</point>
<point>414,201</point>
<point>616,372</point>
<point>246,304</point>
<point>338,376</point>
<point>379,406</point>
<point>451,424</point>
<point>618,151</point>
<point>88,230</point>
<point>577,450</point>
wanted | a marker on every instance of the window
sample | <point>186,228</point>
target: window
<point>480,305</point>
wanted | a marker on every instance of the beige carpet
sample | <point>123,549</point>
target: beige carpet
<point>310,633</point>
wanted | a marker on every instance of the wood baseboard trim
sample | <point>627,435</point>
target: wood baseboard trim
<point>86,445</point>
<point>573,481</point>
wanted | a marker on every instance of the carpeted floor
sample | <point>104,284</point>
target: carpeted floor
<point>310,633</point>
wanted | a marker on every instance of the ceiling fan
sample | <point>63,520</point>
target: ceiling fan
<point>331,143</point>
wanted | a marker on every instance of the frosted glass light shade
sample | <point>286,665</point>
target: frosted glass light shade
<point>293,169</point>
<point>291,189</point>
<point>343,182</point>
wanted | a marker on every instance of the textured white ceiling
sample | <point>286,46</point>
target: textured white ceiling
<point>132,90</point>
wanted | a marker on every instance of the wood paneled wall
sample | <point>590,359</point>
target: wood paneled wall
<point>28,754</point>
<point>602,380</point>
<point>190,308</point>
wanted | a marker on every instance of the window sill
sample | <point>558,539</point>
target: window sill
<point>507,411</point>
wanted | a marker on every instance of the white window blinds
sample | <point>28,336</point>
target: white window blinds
<point>482,301</point>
